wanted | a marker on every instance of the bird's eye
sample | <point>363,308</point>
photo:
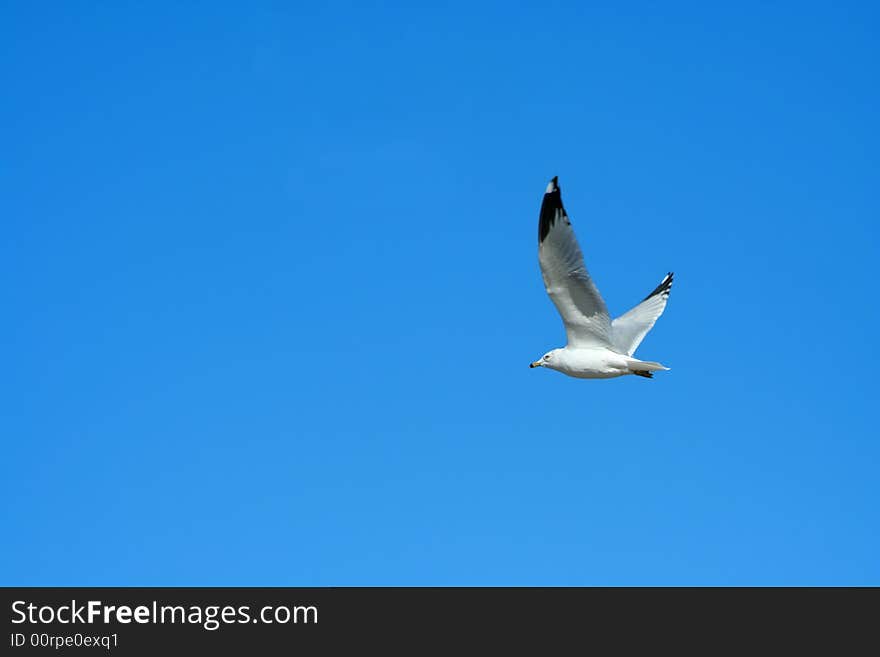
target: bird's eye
<point>546,356</point>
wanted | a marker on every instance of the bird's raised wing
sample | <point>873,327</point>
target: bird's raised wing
<point>628,330</point>
<point>566,278</point>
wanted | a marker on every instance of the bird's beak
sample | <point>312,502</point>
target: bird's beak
<point>537,363</point>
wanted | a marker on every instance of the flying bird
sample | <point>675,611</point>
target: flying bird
<point>598,347</point>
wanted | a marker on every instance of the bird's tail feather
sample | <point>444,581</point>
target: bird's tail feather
<point>644,367</point>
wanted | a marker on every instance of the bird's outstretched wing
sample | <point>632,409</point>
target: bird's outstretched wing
<point>628,330</point>
<point>566,278</point>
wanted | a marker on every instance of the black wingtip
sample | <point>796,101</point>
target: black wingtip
<point>551,207</point>
<point>664,287</point>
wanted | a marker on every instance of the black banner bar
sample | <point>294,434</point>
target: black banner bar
<point>128,621</point>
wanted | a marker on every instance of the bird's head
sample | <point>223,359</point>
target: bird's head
<point>547,360</point>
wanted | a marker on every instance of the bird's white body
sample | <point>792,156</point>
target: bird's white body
<point>598,347</point>
<point>596,363</point>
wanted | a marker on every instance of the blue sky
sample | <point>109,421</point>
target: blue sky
<point>271,291</point>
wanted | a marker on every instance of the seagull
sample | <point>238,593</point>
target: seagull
<point>598,348</point>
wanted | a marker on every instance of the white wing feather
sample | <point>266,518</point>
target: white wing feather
<point>628,330</point>
<point>568,283</point>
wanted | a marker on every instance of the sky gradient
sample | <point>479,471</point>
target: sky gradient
<point>271,293</point>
